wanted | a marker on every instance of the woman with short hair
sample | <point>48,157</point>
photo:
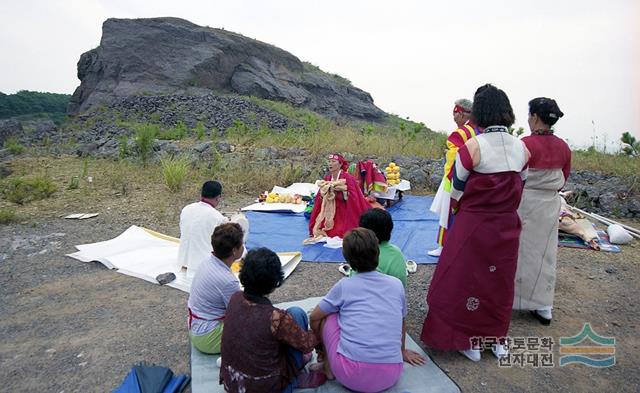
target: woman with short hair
<point>212,287</point>
<point>549,168</point>
<point>263,346</point>
<point>471,292</point>
<point>391,260</point>
<point>361,321</point>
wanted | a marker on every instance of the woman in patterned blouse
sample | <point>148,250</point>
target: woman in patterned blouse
<point>263,346</point>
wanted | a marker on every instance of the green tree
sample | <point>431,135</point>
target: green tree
<point>515,132</point>
<point>25,103</point>
<point>630,146</point>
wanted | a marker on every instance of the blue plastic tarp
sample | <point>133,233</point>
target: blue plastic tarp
<point>415,231</point>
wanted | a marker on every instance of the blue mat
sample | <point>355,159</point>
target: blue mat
<point>415,230</point>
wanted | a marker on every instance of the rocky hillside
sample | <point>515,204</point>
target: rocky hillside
<point>173,56</point>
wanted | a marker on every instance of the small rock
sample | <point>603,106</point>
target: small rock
<point>615,323</point>
<point>80,355</point>
<point>611,270</point>
<point>50,351</point>
<point>165,278</point>
<point>224,147</point>
<point>591,277</point>
<point>83,364</point>
<point>202,146</point>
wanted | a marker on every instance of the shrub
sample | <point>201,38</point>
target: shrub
<point>22,190</point>
<point>174,171</point>
<point>13,146</point>
<point>7,216</point>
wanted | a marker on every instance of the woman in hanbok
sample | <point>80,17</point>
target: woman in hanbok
<point>339,202</point>
<point>471,292</point>
<point>549,167</point>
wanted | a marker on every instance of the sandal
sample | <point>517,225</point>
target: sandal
<point>345,269</point>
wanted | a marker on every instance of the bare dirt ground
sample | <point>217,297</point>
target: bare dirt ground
<point>68,326</point>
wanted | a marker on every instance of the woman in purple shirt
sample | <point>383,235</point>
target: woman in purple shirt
<point>361,321</point>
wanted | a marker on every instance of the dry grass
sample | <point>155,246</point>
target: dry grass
<point>136,191</point>
<point>612,164</point>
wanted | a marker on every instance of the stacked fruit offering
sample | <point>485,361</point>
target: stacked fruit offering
<point>273,197</point>
<point>393,174</point>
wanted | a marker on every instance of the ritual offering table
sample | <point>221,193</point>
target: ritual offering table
<point>393,194</point>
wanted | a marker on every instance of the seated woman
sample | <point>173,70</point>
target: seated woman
<point>212,287</point>
<point>262,346</point>
<point>361,321</point>
<point>339,202</point>
<point>391,260</point>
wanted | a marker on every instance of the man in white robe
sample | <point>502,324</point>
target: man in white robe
<point>197,222</point>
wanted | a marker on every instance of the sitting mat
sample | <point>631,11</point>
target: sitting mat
<point>574,241</point>
<point>415,379</point>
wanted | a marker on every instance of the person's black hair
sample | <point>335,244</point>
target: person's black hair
<point>491,107</point>
<point>547,110</point>
<point>261,272</point>
<point>379,221</point>
<point>211,189</point>
<point>360,249</point>
<point>225,238</point>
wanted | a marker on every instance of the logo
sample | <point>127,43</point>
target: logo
<point>598,351</point>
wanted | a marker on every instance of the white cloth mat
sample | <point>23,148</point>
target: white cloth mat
<point>142,253</point>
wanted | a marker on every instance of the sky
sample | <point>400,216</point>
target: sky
<point>414,57</point>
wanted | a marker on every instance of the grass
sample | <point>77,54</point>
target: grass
<point>176,133</point>
<point>174,171</point>
<point>140,191</point>
<point>318,134</point>
<point>8,216</point>
<point>22,190</point>
<point>199,131</point>
<point>14,146</point>
<point>611,164</point>
<point>144,136</point>
<point>131,193</point>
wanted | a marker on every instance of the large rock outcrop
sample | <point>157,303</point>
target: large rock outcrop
<point>170,55</point>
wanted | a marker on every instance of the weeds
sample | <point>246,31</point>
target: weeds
<point>22,190</point>
<point>7,216</point>
<point>174,171</point>
<point>176,133</point>
<point>621,165</point>
<point>123,147</point>
<point>199,131</point>
<point>14,146</point>
<point>74,183</point>
<point>145,134</point>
